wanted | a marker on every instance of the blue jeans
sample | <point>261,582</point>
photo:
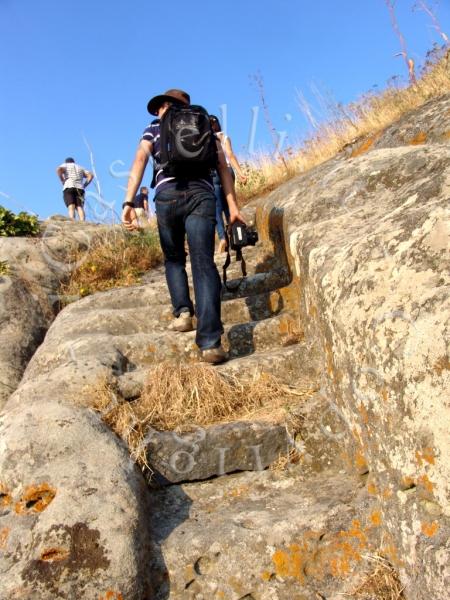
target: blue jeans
<point>182,209</point>
<point>221,205</point>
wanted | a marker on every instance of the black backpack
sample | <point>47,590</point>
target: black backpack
<point>188,143</point>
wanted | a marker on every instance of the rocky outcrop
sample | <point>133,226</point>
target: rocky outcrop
<point>29,294</point>
<point>369,244</point>
<point>65,524</point>
<point>348,298</point>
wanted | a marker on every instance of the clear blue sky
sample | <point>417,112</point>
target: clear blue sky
<point>87,68</point>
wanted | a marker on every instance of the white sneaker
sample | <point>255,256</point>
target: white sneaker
<point>182,323</point>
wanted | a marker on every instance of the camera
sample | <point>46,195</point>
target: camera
<point>241,236</point>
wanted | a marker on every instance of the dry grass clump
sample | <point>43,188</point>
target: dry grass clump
<point>381,583</point>
<point>178,396</point>
<point>367,116</point>
<point>116,259</point>
<point>4,268</point>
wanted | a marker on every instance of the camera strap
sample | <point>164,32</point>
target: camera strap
<point>239,258</point>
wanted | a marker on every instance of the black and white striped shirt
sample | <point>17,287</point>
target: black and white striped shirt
<point>73,176</point>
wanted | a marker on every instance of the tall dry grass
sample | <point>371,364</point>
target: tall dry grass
<point>116,259</point>
<point>368,116</point>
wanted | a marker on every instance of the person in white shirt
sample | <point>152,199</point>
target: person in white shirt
<point>74,179</point>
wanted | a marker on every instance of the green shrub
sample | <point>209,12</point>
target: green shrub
<point>21,224</point>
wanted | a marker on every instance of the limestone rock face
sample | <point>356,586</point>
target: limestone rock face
<point>69,529</point>
<point>369,243</point>
<point>29,296</point>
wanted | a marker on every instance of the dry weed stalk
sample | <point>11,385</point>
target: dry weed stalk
<point>422,5</point>
<point>259,81</point>
<point>404,52</point>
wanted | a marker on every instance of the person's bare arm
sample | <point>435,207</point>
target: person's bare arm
<point>228,186</point>
<point>146,207</point>
<point>89,177</point>
<point>143,153</point>
<point>233,160</point>
<point>61,174</point>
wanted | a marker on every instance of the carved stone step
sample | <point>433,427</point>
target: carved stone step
<point>246,338</point>
<point>214,450</point>
<point>259,306</point>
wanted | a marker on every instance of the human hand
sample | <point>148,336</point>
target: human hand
<point>242,178</point>
<point>235,215</point>
<point>129,219</point>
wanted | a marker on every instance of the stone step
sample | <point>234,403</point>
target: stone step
<point>296,364</point>
<point>258,283</point>
<point>259,306</point>
<point>246,338</point>
<point>214,450</point>
<point>263,535</point>
<point>257,260</point>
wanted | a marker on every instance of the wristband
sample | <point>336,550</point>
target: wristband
<point>130,204</point>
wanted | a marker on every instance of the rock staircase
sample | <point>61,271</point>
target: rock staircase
<point>120,335</point>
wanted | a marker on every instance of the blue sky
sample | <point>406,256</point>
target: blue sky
<point>80,74</point>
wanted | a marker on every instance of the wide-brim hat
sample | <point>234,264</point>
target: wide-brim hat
<point>169,96</point>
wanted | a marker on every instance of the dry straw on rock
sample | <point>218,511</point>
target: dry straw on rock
<point>178,395</point>
<point>381,583</point>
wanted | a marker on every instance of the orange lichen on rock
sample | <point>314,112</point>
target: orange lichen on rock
<point>317,557</point>
<point>387,493</point>
<point>430,529</point>
<point>420,138</point>
<point>363,412</point>
<point>360,461</point>
<point>239,491</point>
<point>266,575</point>
<point>55,554</point>
<point>35,499</point>
<point>5,496</point>
<point>111,595</point>
<point>427,455</point>
<point>441,365</point>
<point>4,535</point>
<point>372,489</point>
<point>426,483</point>
<point>407,483</point>
<point>375,518</point>
<point>290,563</point>
<point>364,147</point>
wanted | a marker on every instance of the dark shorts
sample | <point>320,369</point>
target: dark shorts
<point>73,196</point>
